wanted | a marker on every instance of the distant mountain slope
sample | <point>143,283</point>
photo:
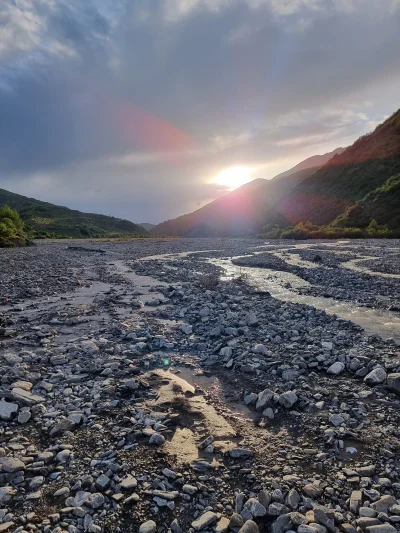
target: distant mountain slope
<point>147,226</point>
<point>243,210</point>
<point>47,219</point>
<point>345,179</point>
<point>314,162</point>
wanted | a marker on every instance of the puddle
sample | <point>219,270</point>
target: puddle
<point>374,321</point>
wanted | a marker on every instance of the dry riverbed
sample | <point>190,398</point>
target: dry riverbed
<point>218,385</point>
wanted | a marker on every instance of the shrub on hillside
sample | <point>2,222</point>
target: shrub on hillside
<point>12,231</point>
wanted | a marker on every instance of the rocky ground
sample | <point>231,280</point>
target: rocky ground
<point>145,389</point>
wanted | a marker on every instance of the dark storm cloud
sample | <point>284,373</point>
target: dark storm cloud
<point>149,100</point>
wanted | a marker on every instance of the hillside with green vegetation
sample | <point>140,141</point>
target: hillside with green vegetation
<point>12,229</point>
<point>346,179</point>
<point>381,205</point>
<point>46,220</point>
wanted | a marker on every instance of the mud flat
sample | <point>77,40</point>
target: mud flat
<point>200,385</point>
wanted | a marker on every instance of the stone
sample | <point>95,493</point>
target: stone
<point>24,417</point>
<point>288,399</point>
<point>102,482</point>
<point>187,329</point>
<point>249,527</point>
<point>222,525</point>
<point>148,527</point>
<point>8,410</point>
<point>393,382</point>
<point>61,427</point>
<point>236,521</point>
<point>281,524</point>
<point>376,376</point>
<point>250,399</point>
<point>129,482</point>
<point>336,369</point>
<point>6,493</point>
<point>157,439</point>
<point>240,453</point>
<point>263,398</point>
<point>336,420</point>
<point>355,501</point>
<point>255,507</point>
<point>251,319</point>
<point>293,499</point>
<point>206,519</point>
<point>323,518</point>
<point>312,491</point>
<point>175,527</point>
<point>26,397</point>
<point>381,528</point>
<point>6,526</point>
<point>383,504</point>
<point>11,465</point>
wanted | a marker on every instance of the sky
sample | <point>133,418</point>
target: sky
<point>148,109</point>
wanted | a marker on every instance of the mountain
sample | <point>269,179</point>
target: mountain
<point>344,180</point>
<point>311,163</point>
<point>243,210</point>
<point>49,220</point>
<point>147,226</point>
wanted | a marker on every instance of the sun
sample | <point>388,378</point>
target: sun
<point>234,177</point>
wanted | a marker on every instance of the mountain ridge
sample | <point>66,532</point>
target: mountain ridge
<point>45,219</point>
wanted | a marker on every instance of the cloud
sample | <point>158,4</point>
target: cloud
<point>131,108</point>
